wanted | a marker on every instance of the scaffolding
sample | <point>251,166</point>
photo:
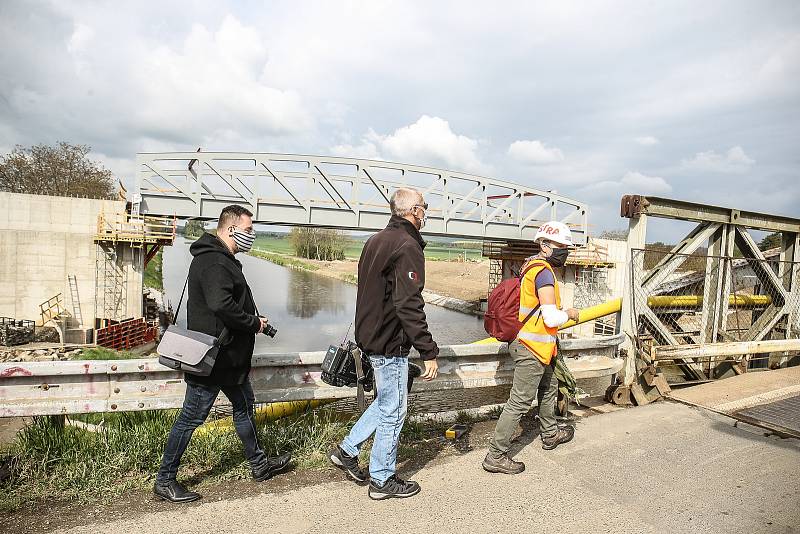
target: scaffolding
<point>507,258</point>
<point>111,282</point>
<point>117,232</point>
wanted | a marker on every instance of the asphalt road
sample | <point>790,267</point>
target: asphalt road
<point>664,467</point>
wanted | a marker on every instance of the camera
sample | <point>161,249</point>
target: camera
<point>269,330</point>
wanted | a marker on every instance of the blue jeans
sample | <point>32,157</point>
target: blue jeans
<point>196,405</point>
<point>384,417</point>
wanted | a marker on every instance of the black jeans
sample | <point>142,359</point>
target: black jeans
<point>196,405</point>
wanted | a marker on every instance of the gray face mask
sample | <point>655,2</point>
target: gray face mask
<point>244,240</point>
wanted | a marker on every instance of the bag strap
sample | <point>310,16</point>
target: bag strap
<point>178,309</point>
<point>356,352</point>
<point>225,332</point>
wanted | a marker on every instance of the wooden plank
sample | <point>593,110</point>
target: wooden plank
<point>734,348</point>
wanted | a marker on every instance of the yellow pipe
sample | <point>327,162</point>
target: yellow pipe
<point>696,301</point>
<point>270,412</point>
<point>667,301</point>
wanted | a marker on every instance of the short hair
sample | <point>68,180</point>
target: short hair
<point>231,214</point>
<point>403,200</point>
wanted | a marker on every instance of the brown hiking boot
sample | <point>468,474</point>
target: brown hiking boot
<point>563,435</point>
<point>504,464</point>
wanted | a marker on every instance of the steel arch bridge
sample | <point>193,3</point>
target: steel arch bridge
<point>345,193</point>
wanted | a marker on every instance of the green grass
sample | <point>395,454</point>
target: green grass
<point>352,251</point>
<point>71,464</point>
<point>51,462</point>
<point>153,276</point>
<point>102,353</point>
<point>284,261</point>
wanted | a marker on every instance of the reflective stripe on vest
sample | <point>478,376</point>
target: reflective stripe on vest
<point>535,335</point>
<point>541,338</point>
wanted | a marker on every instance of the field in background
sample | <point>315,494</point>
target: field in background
<point>438,251</point>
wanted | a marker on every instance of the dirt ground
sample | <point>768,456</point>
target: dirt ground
<point>468,281</point>
<point>663,467</point>
<point>58,516</point>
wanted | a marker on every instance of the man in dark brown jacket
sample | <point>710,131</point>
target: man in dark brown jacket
<point>390,319</point>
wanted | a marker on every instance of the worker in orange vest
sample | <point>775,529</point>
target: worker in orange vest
<point>534,351</point>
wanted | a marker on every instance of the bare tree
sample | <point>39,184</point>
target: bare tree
<point>62,170</point>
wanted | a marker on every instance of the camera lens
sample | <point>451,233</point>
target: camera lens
<point>270,330</point>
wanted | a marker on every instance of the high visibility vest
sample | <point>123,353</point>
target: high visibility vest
<point>536,336</point>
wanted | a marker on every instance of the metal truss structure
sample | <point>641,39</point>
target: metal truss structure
<point>345,193</point>
<point>741,296</point>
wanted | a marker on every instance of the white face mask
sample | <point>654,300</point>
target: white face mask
<point>244,240</point>
<point>423,219</point>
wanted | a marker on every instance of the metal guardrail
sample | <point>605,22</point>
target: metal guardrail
<point>71,387</point>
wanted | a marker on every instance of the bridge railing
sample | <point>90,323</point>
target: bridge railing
<point>345,193</point>
<point>74,387</point>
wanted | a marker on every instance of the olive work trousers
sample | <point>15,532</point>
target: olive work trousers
<point>532,379</point>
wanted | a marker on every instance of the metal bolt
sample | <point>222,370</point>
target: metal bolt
<point>141,405</point>
<point>113,367</point>
<point>143,389</point>
<point>45,387</point>
<point>113,406</point>
<point>116,390</point>
<point>141,367</point>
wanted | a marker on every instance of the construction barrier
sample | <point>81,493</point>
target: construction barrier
<point>72,387</point>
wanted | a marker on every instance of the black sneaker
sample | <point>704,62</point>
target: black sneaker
<point>173,491</point>
<point>348,464</point>
<point>393,487</point>
<point>271,467</point>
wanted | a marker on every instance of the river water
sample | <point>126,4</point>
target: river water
<point>310,311</point>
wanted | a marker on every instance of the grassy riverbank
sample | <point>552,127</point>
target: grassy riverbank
<point>52,463</point>
<point>153,273</point>
<point>284,260</point>
<point>435,251</point>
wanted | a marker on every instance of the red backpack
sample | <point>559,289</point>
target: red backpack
<point>501,319</point>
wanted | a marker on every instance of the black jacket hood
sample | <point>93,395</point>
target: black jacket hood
<point>208,243</point>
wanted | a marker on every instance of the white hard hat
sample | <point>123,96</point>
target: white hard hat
<point>555,231</point>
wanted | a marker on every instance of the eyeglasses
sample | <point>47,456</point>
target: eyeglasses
<point>423,206</point>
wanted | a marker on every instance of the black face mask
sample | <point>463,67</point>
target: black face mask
<point>558,257</point>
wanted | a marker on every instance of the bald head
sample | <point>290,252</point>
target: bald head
<point>403,201</point>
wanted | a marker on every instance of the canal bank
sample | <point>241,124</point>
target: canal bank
<point>310,311</point>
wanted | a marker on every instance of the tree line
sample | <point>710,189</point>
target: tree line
<point>61,170</point>
<point>318,243</point>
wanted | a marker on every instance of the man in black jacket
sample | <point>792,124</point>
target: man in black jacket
<point>220,300</point>
<point>389,320</point>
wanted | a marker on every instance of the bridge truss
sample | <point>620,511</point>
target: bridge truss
<point>345,193</point>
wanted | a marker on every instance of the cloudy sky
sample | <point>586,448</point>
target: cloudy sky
<point>692,100</point>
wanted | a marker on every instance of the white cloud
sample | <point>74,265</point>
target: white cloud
<point>733,161</point>
<point>291,77</point>
<point>430,140</point>
<point>632,182</point>
<point>534,152</point>
<point>647,140</point>
<point>643,184</point>
<point>214,81</point>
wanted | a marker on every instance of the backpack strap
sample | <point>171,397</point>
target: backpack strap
<point>521,277</point>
